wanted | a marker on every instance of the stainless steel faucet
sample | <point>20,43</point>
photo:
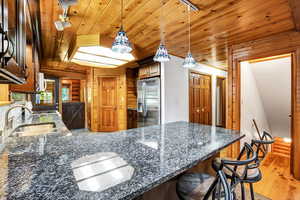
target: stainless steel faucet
<point>6,125</point>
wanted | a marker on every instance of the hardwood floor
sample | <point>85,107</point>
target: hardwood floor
<point>277,183</point>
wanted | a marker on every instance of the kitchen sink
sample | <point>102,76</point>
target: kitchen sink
<point>34,129</point>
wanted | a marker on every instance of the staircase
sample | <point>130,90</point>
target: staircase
<point>281,147</point>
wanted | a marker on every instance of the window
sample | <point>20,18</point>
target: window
<point>18,96</point>
<point>66,93</point>
<point>47,97</point>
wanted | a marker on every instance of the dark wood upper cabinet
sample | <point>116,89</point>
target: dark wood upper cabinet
<point>149,70</point>
<point>25,33</point>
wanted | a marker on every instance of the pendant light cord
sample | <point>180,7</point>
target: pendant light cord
<point>122,13</point>
<point>189,18</point>
<point>162,25</point>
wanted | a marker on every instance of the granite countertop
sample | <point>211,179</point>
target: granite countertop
<point>108,166</point>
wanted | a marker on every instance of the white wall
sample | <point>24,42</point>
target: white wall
<point>273,79</point>
<point>175,89</point>
<point>251,105</point>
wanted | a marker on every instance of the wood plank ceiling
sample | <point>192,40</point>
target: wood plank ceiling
<point>218,24</point>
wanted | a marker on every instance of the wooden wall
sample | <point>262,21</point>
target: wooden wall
<point>131,80</point>
<point>4,94</point>
<point>287,42</point>
<point>93,108</point>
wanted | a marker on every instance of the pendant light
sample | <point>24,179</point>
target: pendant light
<point>162,52</point>
<point>121,43</point>
<point>189,61</point>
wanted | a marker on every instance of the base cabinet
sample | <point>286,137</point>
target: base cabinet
<point>131,119</point>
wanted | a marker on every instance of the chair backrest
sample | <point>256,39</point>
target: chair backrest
<point>246,160</point>
<point>261,146</point>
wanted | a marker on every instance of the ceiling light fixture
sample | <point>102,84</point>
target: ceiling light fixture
<point>189,61</point>
<point>106,52</point>
<point>64,21</point>
<point>121,43</point>
<point>162,52</point>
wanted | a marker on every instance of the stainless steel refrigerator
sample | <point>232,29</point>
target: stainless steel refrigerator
<point>148,102</point>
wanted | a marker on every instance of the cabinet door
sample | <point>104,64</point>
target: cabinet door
<point>154,70</point>
<point>31,71</point>
<point>144,72</point>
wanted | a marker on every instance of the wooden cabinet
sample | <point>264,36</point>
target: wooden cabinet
<point>144,72</point>
<point>131,118</point>
<point>28,52</point>
<point>149,71</point>
<point>154,70</point>
<point>32,70</point>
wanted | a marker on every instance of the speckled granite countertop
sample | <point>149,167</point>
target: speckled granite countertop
<point>108,166</point>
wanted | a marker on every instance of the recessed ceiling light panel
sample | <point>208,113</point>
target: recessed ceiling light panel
<point>107,52</point>
<point>98,59</point>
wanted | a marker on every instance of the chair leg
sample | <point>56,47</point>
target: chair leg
<point>211,190</point>
<point>243,191</point>
<point>252,191</point>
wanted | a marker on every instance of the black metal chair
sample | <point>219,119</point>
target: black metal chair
<point>261,146</point>
<point>253,174</point>
<point>203,186</point>
<point>196,186</point>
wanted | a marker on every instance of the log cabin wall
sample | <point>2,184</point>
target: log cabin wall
<point>93,96</point>
<point>283,43</point>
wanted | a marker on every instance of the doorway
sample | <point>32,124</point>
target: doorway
<point>266,105</point>
<point>108,104</point>
<point>200,98</point>
<point>266,101</point>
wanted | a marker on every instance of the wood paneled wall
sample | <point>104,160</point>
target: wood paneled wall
<point>131,79</point>
<point>4,94</point>
<point>93,95</point>
<point>287,42</point>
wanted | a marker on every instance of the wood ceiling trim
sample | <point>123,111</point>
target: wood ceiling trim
<point>295,6</point>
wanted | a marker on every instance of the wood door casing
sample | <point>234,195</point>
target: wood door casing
<point>108,104</point>
<point>221,83</point>
<point>200,98</point>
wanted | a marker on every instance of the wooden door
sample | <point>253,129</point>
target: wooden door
<point>108,104</point>
<point>200,98</point>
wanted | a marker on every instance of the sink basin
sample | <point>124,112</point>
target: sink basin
<point>34,129</point>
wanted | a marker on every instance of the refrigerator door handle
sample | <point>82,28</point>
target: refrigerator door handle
<point>144,103</point>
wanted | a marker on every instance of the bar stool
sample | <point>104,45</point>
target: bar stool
<point>261,146</point>
<point>252,174</point>
<point>196,186</point>
<point>201,186</point>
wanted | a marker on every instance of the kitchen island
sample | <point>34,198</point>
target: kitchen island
<point>108,166</point>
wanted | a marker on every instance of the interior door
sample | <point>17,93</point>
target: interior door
<point>200,98</point>
<point>108,104</point>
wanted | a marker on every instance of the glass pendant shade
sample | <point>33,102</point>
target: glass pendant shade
<point>162,54</point>
<point>121,43</point>
<point>189,61</point>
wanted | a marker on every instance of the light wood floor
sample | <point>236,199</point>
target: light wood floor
<point>277,183</point>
